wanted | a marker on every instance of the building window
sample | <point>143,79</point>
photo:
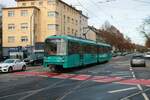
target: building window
<point>11,39</point>
<point>76,22</point>
<point>68,30</point>
<point>53,27</point>
<point>57,27</point>
<point>11,13</point>
<point>24,26</point>
<point>53,14</point>
<point>11,26</point>
<point>23,4</point>
<point>40,3</point>
<point>51,1</point>
<point>68,19</point>
<point>72,31</point>
<point>24,39</point>
<point>64,7</point>
<point>72,21</point>
<point>32,3</point>
<point>24,12</point>
<point>64,19</point>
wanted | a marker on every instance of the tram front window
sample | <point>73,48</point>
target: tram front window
<point>55,47</point>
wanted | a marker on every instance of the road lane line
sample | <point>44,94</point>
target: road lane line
<point>144,95</point>
<point>139,86</point>
<point>122,90</point>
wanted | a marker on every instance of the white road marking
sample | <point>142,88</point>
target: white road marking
<point>131,69</point>
<point>139,86</point>
<point>144,95</point>
<point>122,90</point>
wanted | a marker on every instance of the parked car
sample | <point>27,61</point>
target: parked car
<point>124,53</point>
<point>34,59</point>
<point>3,58</point>
<point>11,65</point>
<point>147,55</point>
<point>114,54</point>
<point>118,53</point>
<point>138,60</point>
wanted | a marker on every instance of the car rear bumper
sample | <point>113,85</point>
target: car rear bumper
<point>138,65</point>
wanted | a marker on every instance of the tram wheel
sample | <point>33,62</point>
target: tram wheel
<point>55,68</point>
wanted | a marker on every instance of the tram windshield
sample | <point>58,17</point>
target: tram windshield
<point>55,47</point>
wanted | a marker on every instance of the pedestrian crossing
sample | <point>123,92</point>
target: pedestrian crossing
<point>83,77</point>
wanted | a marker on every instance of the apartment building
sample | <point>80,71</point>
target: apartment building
<point>1,31</point>
<point>28,24</point>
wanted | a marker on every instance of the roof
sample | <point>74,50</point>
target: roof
<point>93,29</point>
<point>72,38</point>
<point>63,3</point>
<point>21,7</point>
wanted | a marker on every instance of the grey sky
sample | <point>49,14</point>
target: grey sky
<point>126,15</point>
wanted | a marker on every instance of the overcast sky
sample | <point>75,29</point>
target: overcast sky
<point>126,15</point>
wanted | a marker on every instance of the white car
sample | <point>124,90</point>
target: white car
<point>10,65</point>
<point>147,55</point>
<point>138,60</point>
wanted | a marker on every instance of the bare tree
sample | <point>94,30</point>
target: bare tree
<point>145,30</point>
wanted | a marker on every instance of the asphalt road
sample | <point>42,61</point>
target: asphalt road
<point>114,80</point>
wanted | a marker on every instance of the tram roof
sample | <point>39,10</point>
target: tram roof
<point>72,38</point>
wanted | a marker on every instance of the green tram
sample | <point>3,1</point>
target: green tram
<point>63,52</point>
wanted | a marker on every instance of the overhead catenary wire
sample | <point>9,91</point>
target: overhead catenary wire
<point>97,17</point>
<point>105,13</point>
<point>109,15</point>
<point>101,9</point>
<point>141,1</point>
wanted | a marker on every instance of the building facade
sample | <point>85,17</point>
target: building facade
<point>1,30</point>
<point>32,21</point>
<point>94,34</point>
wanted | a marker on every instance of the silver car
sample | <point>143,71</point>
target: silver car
<point>138,60</point>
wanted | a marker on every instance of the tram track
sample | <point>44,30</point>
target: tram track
<point>32,92</point>
<point>80,84</point>
<point>55,85</point>
<point>69,91</point>
<point>77,86</point>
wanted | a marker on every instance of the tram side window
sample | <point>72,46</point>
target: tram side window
<point>73,48</point>
<point>87,49</point>
<point>105,49</point>
<point>99,50</point>
<point>102,49</point>
<point>81,49</point>
<point>93,49</point>
<point>90,49</point>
